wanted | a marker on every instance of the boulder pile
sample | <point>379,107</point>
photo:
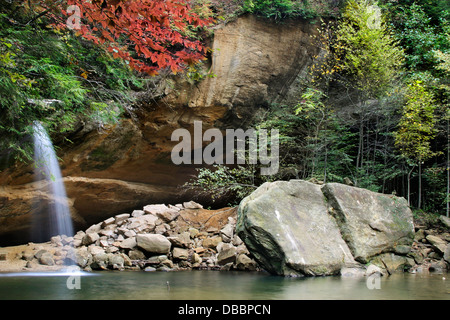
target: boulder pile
<point>156,238</point>
<point>290,228</point>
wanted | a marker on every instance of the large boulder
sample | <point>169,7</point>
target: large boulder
<point>154,243</point>
<point>300,228</point>
<point>371,223</point>
<point>288,230</point>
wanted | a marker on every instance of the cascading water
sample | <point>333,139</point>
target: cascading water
<point>47,170</point>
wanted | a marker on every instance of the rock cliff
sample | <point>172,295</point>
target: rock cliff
<point>116,169</point>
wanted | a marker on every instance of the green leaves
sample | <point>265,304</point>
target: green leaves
<point>55,78</point>
<point>416,128</point>
<point>371,58</point>
<point>273,9</point>
<point>221,181</point>
<point>420,35</point>
<point>282,9</point>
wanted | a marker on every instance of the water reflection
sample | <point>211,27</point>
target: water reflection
<point>213,285</point>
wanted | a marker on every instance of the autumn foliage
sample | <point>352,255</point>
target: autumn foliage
<point>149,34</point>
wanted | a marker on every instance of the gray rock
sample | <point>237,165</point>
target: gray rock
<point>437,243</point>
<point>112,249</point>
<point>94,228</point>
<point>438,266</point>
<point>402,249</point>
<point>129,234</point>
<point>226,256</point>
<point>165,268</point>
<point>109,231</point>
<point>79,235</point>
<point>120,218</point>
<point>82,257</point>
<point>445,221</point>
<point>100,261</point>
<point>145,223</point>
<point>236,240</point>
<point>39,253</point>
<point>352,272</point>
<point>116,261</point>
<point>46,259</point>
<point>196,259</point>
<point>447,253</point>
<point>371,269</point>
<point>136,254</point>
<point>392,262</point>
<point>223,246</point>
<point>137,213</point>
<point>128,243</point>
<point>243,262</point>
<point>90,238</point>
<point>212,242</point>
<point>192,205</point>
<point>168,215</point>
<point>419,235</point>
<point>168,263</point>
<point>56,240</point>
<point>107,222</point>
<point>94,250</point>
<point>417,256</point>
<point>65,240</point>
<point>103,243</point>
<point>227,266</point>
<point>77,243</point>
<point>160,229</point>
<point>227,233</point>
<point>126,260</point>
<point>182,240</point>
<point>287,228</point>
<point>155,208</point>
<point>153,260</point>
<point>149,269</point>
<point>27,256</point>
<point>193,232</point>
<point>155,243</point>
<point>371,223</point>
<point>180,254</point>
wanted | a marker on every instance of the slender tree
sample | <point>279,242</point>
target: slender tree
<point>416,129</point>
<point>369,61</point>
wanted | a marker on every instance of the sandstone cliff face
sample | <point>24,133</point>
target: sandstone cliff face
<point>119,168</point>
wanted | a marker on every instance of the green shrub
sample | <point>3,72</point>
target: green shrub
<point>56,78</point>
<point>282,9</point>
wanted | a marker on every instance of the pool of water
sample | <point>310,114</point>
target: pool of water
<point>215,285</point>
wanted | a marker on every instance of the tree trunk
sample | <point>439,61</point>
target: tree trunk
<point>419,202</point>
<point>448,167</point>
<point>360,152</point>
<point>409,185</point>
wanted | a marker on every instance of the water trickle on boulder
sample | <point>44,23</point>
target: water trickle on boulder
<point>55,206</point>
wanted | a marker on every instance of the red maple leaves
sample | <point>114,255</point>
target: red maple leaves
<point>149,34</point>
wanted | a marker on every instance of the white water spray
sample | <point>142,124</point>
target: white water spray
<point>47,169</point>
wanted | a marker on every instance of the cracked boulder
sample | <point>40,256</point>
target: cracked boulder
<point>296,228</point>
<point>371,223</point>
<point>286,227</point>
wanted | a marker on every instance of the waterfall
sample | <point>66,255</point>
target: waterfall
<point>58,220</point>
